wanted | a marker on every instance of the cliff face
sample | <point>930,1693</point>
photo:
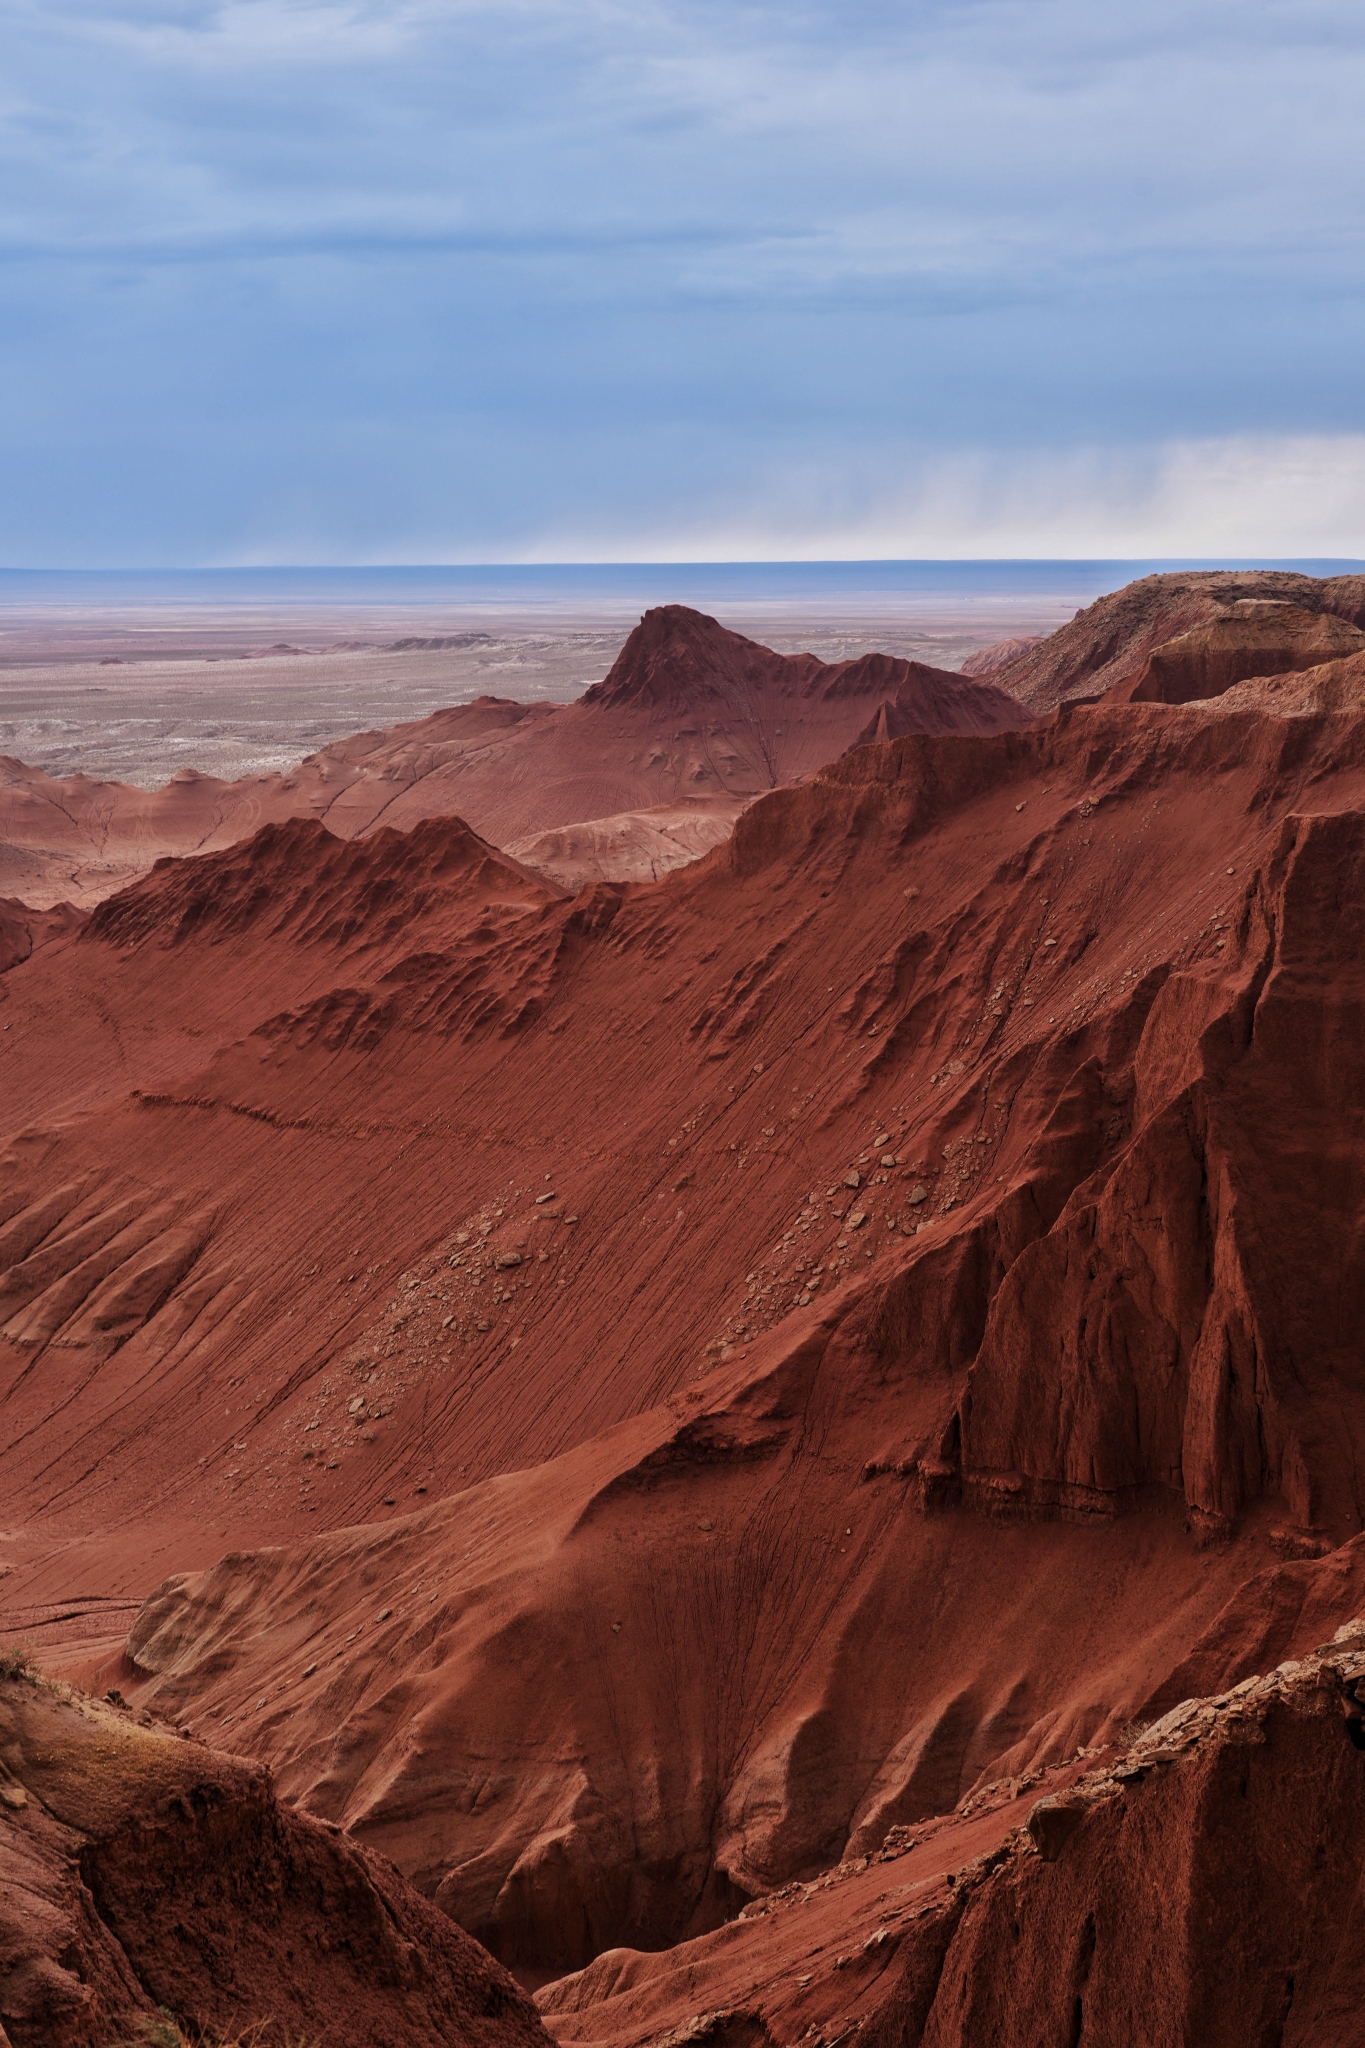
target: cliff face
<point>1112,638</point>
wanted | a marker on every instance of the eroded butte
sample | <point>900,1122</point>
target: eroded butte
<point>692,722</point>
<point>786,1441</point>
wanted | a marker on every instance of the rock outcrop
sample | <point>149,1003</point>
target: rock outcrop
<point>1112,638</point>
<point>144,1873</point>
<point>1205,1884</point>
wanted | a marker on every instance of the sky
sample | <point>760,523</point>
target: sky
<point>301,281</point>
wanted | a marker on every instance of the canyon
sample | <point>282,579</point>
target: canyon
<point>777,1507</point>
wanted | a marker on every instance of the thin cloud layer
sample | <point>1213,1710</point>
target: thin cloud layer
<point>466,281</point>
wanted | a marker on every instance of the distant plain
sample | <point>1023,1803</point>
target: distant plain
<point>137,687</point>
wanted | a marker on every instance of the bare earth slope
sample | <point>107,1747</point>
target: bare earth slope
<point>144,1872</point>
<point>691,716</point>
<point>923,699</point>
<point>634,1399</point>
<point>987,659</point>
<point>1206,1884</point>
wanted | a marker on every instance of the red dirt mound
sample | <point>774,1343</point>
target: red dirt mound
<point>142,1872</point>
<point>623,1423</point>
<point>691,713</point>
<point>927,699</point>
<point>987,659</point>
<point>1113,637</point>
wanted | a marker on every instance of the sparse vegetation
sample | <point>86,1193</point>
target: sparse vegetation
<point>20,1660</point>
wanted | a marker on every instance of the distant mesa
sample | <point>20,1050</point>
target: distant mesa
<point>414,645</point>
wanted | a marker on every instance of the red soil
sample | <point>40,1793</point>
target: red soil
<point>1140,1901</point>
<point>647,1419</point>
<point>145,1872</point>
<point>691,714</point>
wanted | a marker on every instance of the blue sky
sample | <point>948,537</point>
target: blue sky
<point>434,280</point>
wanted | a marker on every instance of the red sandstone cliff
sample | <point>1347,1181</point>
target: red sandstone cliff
<point>1112,638</point>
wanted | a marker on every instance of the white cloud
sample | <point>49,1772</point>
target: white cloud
<point>1253,496</point>
<point>633,276</point>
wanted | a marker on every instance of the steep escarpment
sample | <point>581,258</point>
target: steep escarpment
<point>145,1874</point>
<point>1254,637</point>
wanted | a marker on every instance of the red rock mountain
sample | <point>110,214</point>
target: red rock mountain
<point>692,723</point>
<point>1111,638</point>
<point>923,699</point>
<point>632,1404</point>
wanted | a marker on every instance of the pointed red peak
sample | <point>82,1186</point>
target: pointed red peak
<point>678,658</point>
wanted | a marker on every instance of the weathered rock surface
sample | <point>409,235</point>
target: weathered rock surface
<point>1254,637</point>
<point>1207,1885</point>
<point>987,659</point>
<point>23,931</point>
<point>138,1871</point>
